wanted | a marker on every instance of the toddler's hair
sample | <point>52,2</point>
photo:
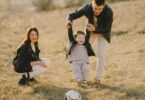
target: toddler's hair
<point>79,33</point>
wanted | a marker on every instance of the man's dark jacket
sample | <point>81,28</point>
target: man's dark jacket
<point>72,43</point>
<point>104,20</point>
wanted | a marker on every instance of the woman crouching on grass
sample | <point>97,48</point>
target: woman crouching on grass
<point>29,56</point>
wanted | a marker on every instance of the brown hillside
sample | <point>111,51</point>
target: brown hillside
<point>125,62</point>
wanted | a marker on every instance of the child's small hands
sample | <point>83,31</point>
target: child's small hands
<point>91,27</point>
<point>68,24</point>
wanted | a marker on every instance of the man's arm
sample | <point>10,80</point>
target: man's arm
<point>77,14</point>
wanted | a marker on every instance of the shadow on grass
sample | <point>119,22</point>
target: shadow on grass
<point>56,93</point>
<point>136,93</point>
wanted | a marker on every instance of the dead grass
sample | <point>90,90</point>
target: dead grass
<point>124,74</point>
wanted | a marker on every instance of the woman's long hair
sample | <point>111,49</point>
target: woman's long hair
<point>27,38</point>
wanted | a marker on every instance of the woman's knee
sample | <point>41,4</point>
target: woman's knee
<point>46,60</point>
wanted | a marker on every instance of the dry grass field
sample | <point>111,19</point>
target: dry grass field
<point>124,76</point>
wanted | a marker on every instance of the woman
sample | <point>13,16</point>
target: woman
<point>29,56</point>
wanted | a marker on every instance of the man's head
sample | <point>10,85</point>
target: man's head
<point>80,37</point>
<point>98,6</point>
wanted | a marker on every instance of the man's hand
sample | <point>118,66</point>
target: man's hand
<point>68,24</point>
<point>91,27</point>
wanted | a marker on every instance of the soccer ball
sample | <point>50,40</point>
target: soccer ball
<point>72,95</point>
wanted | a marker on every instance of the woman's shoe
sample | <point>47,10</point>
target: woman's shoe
<point>32,80</point>
<point>23,81</point>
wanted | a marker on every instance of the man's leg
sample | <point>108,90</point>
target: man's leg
<point>93,38</point>
<point>102,45</point>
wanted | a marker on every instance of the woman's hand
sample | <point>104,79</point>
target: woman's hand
<point>41,63</point>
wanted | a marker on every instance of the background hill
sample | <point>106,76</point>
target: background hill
<point>124,70</point>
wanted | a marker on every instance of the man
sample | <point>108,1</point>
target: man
<point>100,17</point>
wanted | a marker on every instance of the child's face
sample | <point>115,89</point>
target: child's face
<point>80,39</point>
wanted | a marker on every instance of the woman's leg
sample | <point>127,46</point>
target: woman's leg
<point>37,69</point>
<point>46,60</point>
